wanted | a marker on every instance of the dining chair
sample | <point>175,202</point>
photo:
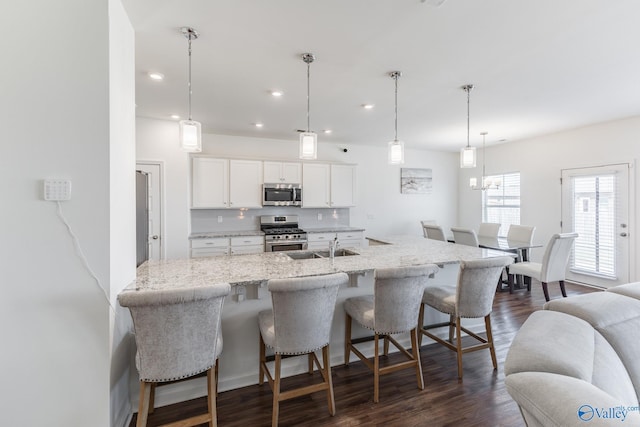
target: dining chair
<point>489,229</point>
<point>392,309</point>
<point>521,233</point>
<point>178,336</point>
<point>465,236</point>
<point>553,267</point>
<point>434,232</point>
<point>299,323</point>
<point>426,222</point>
<point>472,297</point>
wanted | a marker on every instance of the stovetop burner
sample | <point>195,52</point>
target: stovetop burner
<point>283,231</point>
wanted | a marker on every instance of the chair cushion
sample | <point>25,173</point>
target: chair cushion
<point>442,298</point>
<point>531,269</point>
<point>361,310</point>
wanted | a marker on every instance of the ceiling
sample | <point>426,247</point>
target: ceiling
<point>537,66</point>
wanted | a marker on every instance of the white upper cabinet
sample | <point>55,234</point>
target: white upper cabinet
<point>223,183</point>
<point>210,183</point>
<point>328,186</point>
<point>285,172</point>
<point>315,185</point>
<point>245,184</point>
<point>343,185</point>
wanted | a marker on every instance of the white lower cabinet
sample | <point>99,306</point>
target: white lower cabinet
<point>247,245</point>
<point>346,239</point>
<point>218,246</point>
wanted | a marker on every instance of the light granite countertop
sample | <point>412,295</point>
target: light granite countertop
<point>333,229</point>
<point>212,234</point>
<point>256,268</point>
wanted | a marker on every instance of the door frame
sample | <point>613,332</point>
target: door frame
<point>631,209</point>
<point>162,196</point>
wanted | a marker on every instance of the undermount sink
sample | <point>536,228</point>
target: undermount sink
<point>319,254</point>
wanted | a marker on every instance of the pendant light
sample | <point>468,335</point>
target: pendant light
<point>485,183</point>
<point>190,130</point>
<point>468,153</point>
<point>396,147</point>
<point>308,139</point>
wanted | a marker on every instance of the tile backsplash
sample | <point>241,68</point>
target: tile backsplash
<point>211,220</point>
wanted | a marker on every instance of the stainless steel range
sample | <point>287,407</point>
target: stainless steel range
<point>281,233</point>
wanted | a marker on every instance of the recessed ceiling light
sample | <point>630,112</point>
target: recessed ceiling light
<point>175,116</point>
<point>367,106</point>
<point>327,131</point>
<point>258,125</point>
<point>277,93</point>
<point>156,76</point>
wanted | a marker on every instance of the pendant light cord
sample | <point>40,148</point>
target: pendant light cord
<point>189,37</point>
<point>468,88</point>
<point>396,111</point>
<point>308,97</point>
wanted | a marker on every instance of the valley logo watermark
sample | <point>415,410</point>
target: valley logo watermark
<point>588,412</point>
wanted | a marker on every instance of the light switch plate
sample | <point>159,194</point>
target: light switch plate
<point>57,189</point>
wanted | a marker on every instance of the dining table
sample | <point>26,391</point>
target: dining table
<point>520,248</point>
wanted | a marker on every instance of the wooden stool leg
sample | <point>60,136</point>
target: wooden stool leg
<point>420,324</point>
<point>143,405</point>
<point>211,396</point>
<point>492,350</point>
<point>152,398</point>
<point>263,359</point>
<point>276,392</point>
<point>416,357</point>
<point>327,372</point>
<point>347,339</point>
<point>459,346</point>
<point>376,370</point>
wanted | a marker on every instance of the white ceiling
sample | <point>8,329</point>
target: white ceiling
<point>538,66</point>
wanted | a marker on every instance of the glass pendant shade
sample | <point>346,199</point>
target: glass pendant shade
<point>396,152</point>
<point>190,136</point>
<point>468,157</point>
<point>308,146</point>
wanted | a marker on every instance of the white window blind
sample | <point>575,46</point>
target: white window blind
<point>594,213</point>
<point>502,205</point>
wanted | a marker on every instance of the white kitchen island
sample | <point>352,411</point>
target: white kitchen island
<point>248,275</point>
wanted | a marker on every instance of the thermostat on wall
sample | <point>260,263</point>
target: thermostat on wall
<point>57,189</point>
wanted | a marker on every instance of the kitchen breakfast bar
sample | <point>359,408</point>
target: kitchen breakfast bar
<point>248,276</point>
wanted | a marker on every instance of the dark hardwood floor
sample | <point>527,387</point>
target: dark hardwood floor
<point>480,400</point>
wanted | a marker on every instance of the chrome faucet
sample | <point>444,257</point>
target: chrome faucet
<point>333,245</point>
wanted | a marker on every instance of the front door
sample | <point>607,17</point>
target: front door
<point>595,204</point>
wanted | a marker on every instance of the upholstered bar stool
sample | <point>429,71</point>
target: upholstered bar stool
<point>392,309</point>
<point>178,336</point>
<point>299,324</point>
<point>471,298</point>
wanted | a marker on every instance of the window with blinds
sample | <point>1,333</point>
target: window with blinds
<point>594,213</point>
<point>502,205</point>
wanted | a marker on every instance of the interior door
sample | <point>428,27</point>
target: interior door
<point>154,172</point>
<point>595,204</point>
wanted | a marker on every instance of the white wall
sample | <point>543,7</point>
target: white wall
<point>55,320</point>
<point>540,161</point>
<point>381,209</point>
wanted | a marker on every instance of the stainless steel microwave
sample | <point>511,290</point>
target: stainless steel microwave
<point>281,195</point>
